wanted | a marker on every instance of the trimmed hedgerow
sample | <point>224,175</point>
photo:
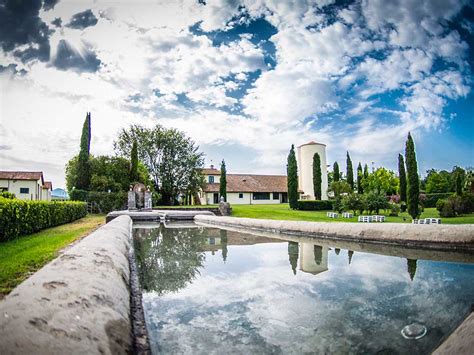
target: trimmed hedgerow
<point>19,217</point>
<point>314,205</point>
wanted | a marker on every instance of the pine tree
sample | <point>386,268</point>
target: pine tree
<point>317,177</point>
<point>360,175</point>
<point>349,171</point>
<point>223,181</point>
<point>292,178</point>
<point>335,172</point>
<point>134,163</point>
<point>83,165</point>
<point>413,180</point>
<point>403,178</point>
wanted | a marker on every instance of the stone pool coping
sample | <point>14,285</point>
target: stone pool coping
<point>78,303</point>
<point>438,237</point>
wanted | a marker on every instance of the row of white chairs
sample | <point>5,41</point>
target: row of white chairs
<point>369,219</point>
<point>427,221</point>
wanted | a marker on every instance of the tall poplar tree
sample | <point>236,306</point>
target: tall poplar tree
<point>223,181</point>
<point>335,172</point>
<point>349,171</point>
<point>317,177</point>
<point>413,180</point>
<point>83,164</point>
<point>360,175</point>
<point>292,178</point>
<point>134,163</point>
<point>402,176</point>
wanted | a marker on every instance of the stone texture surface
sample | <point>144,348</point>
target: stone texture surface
<point>428,236</point>
<point>461,341</point>
<point>157,215</point>
<point>225,209</point>
<point>77,304</point>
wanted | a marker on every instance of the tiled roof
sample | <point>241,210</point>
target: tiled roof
<point>208,171</point>
<point>48,185</point>
<point>21,175</point>
<point>252,183</point>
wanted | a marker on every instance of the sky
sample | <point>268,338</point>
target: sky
<point>244,79</point>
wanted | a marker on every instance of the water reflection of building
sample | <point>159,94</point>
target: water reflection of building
<point>313,258</point>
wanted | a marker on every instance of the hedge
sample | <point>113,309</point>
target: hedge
<point>430,199</point>
<point>102,202</point>
<point>314,205</point>
<point>19,217</point>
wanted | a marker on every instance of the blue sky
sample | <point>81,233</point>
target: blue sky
<point>245,79</point>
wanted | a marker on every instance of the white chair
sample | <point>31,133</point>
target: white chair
<point>347,215</point>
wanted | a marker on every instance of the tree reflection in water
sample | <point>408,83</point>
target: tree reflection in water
<point>411,265</point>
<point>168,259</point>
<point>223,235</point>
<point>349,254</point>
<point>293,251</point>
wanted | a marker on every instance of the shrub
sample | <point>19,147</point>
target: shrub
<point>353,202</point>
<point>105,202</point>
<point>78,195</point>
<point>375,201</point>
<point>18,217</point>
<point>6,194</point>
<point>394,209</point>
<point>431,199</point>
<point>440,204</point>
<point>314,205</point>
<point>448,209</point>
<point>337,205</point>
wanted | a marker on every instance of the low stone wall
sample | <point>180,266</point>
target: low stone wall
<point>439,237</point>
<point>77,304</point>
<point>461,341</point>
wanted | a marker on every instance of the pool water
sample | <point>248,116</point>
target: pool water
<point>212,291</point>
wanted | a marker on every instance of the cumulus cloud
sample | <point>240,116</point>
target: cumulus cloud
<point>82,20</point>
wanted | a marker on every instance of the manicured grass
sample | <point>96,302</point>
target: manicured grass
<point>193,207</point>
<point>24,255</point>
<point>283,212</point>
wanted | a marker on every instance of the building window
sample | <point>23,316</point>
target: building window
<point>211,179</point>
<point>276,195</point>
<point>241,195</point>
<point>24,190</point>
<point>261,195</point>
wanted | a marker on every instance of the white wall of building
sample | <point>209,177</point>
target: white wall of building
<point>234,198</point>
<point>35,189</point>
<point>304,156</point>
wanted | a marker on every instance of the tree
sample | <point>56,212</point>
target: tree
<point>134,163</point>
<point>381,180</point>
<point>437,182</point>
<point>349,171</point>
<point>292,178</point>
<point>353,202</point>
<point>366,171</point>
<point>411,267</point>
<point>374,201</point>
<point>360,176</point>
<point>107,173</point>
<point>171,158</point>
<point>402,177</point>
<point>317,177</point>
<point>223,182</point>
<point>339,187</point>
<point>336,174</point>
<point>293,254</point>
<point>83,168</point>
<point>413,180</point>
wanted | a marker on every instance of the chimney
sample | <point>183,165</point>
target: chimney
<point>212,166</point>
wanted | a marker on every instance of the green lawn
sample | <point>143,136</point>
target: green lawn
<point>24,255</point>
<point>283,212</point>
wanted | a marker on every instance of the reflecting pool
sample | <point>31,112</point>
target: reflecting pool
<point>208,290</point>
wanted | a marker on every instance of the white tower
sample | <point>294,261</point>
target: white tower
<point>305,169</point>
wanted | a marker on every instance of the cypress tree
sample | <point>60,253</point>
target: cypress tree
<point>223,181</point>
<point>83,164</point>
<point>292,178</point>
<point>403,178</point>
<point>317,178</point>
<point>458,184</point>
<point>366,171</point>
<point>349,171</point>
<point>413,180</point>
<point>360,175</point>
<point>411,266</point>
<point>134,163</point>
<point>335,172</point>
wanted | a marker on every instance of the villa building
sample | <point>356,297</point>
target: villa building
<point>26,185</point>
<point>244,189</point>
<point>249,189</point>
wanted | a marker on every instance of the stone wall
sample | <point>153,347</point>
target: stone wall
<point>77,304</point>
